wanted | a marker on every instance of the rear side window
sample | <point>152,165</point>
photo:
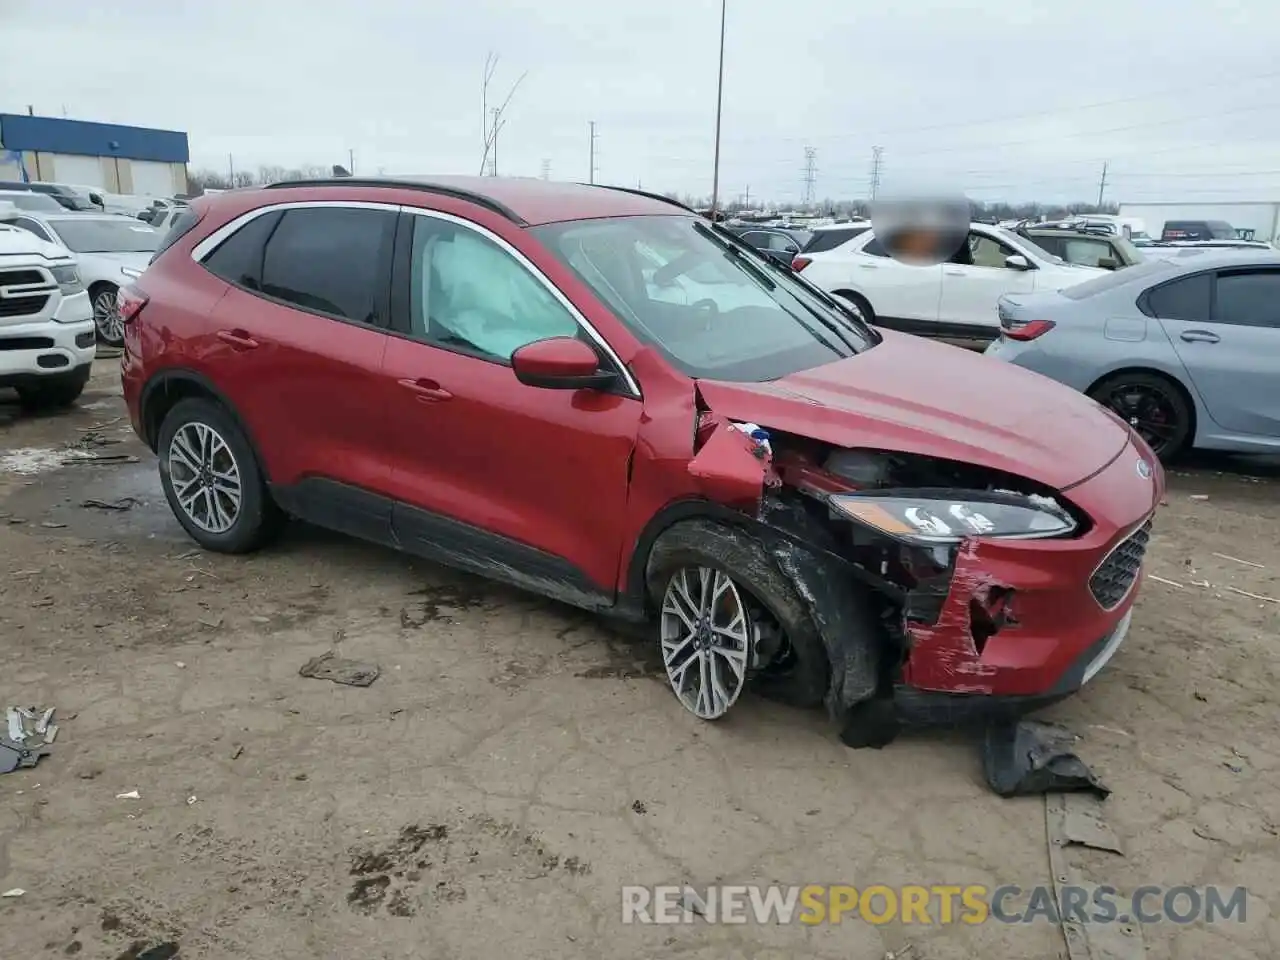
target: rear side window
<point>874,249</point>
<point>1050,245</point>
<point>1187,299</point>
<point>1249,298</point>
<point>238,259</point>
<point>177,230</point>
<point>330,260</point>
<point>824,240</point>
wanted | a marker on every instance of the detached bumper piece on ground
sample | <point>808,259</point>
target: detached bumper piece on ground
<point>28,734</point>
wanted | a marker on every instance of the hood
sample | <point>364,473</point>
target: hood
<point>138,261</point>
<point>914,396</point>
<point>14,241</point>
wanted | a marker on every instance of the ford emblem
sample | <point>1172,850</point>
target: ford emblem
<point>1144,470</point>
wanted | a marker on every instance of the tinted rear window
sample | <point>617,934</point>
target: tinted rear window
<point>1188,298</point>
<point>177,230</point>
<point>824,240</point>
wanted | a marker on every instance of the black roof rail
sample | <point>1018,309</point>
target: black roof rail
<point>407,184</point>
<point>642,193</point>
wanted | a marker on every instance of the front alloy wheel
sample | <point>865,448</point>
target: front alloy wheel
<point>205,477</point>
<point>706,640</point>
<point>106,317</point>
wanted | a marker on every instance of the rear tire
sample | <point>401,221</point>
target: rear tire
<point>1152,404</point>
<point>106,314</point>
<point>55,392</point>
<point>799,674</point>
<point>212,481</point>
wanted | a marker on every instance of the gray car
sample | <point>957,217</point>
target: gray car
<point>1184,346</point>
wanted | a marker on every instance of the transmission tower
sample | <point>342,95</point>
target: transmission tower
<point>546,169</point>
<point>810,174</point>
<point>877,166</point>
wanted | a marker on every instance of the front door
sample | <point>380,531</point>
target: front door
<point>975,279</point>
<point>521,483</point>
<point>897,291</point>
<point>1232,356</point>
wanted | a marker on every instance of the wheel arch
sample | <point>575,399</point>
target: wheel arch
<point>1190,396</point>
<point>170,387</point>
<point>636,589</point>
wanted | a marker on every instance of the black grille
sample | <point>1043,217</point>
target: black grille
<point>1111,581</point>
<point>26,343</point>
<point>23,306</point>
<point>22,278</point>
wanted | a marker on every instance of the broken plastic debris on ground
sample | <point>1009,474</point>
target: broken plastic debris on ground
<point>28,734</point>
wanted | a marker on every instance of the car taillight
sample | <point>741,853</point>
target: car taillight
<point>130,301</point>
<point>799,263</point>
<point>1029,330</point>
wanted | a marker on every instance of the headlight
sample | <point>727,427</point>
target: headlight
<point>68,279</point>
<point>930,516</point>
<point>131,273</point>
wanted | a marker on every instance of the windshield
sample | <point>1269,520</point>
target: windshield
<point>713,308</point>
<point>30,201</point>
<point>107,236</point>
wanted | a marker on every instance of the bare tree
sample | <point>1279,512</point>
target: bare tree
<point>493,127</point>
<point>271,173</point>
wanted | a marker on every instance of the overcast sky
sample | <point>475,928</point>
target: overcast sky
<point>1004,99</point>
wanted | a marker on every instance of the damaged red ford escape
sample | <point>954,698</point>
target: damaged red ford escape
<point>595,394</point>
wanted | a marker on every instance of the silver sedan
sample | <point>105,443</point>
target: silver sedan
<point>1184,346</point>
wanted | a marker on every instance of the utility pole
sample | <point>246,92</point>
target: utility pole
<point>746,198</point>
<point>546,169</point>
<point>877,167</point>
<point>231,171</point>
<point>1102,185</point>
<point>810,173</point>
<point>351,162</point>
<point>592,176</point>
<point>715,174</point>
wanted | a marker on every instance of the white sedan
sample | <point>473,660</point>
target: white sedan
<point>956,299</point>
<point>110,251</point>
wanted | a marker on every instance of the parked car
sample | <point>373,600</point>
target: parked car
<point>29,200</point>
<point>110,252</point>
<point>1183,347</point>
<point>780,241</point>
<point>1086,248</point>
<point>956,299</point>
<point>754,474</point>
<point>158,210</point>
<point>46,323</point>
<point>67,197</point>
<point>1198,230</point>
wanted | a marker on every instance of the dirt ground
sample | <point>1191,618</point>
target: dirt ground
<point>517,763</point>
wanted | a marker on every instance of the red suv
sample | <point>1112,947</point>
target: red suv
<point>597,395</point>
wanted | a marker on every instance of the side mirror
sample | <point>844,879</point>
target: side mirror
<point>1108,263</point>
<point>559,363</point>
<point>1017,262</point>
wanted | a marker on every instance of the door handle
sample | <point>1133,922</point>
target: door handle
<point>238,339</point>
<point>955,273</point>
<point>1199,336</point>
<point>869,266</point>
<point>428,391</point>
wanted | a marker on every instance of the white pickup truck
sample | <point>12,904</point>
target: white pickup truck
<point>47,335</point>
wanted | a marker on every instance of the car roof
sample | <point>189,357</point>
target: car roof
<point>1212,258</point>
<point>527,200</point>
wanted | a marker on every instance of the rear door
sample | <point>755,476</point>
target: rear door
<point>975,279</point>
<point>1226,331</point>
<point>903,296</point>
<point>487,471</point>
<point>297,346</point>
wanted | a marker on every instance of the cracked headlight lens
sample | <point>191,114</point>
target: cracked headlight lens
<point>68,279</point>
<point>932,516</point>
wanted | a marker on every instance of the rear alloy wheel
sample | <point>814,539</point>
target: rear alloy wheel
<point>1153,406</point>
<point>106,315</point>
<point>706,640</point>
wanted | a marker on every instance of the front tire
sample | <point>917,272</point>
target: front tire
<point>212,481</point>
<point>54,392</point>
<point>1153,405</point>
<point>106,314</point>
<point>727,617</point>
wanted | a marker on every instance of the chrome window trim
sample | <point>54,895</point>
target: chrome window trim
<point>210,243</point>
